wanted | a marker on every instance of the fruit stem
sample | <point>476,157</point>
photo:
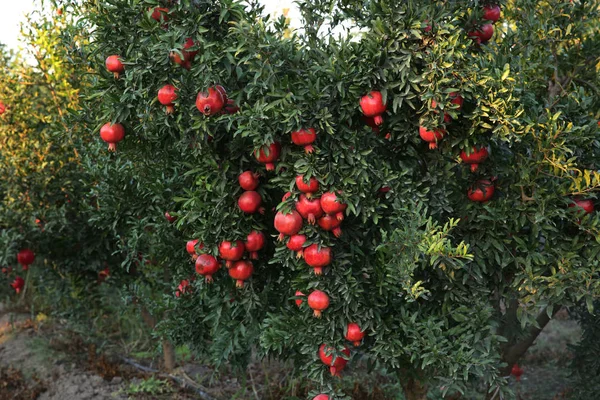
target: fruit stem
<point>239,283</point>
<point>317,313</point>
<point>112,147</point>
<point>270,166</point>
<point>318,271</point>
<point>309,149</point>
<point>474,167</point>
<point>378,120</point>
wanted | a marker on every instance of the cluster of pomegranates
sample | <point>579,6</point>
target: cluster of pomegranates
<point>484,30</point>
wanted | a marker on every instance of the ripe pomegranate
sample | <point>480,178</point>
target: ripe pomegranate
<point>255,241</point>
<point>321,397</point>
<point>369,121</point>
<point>248,180</point>
<point>231,251</point>
<point>482,191</point>
<point>431,136</point>
<point>299,301</point>
<point>166,96</point>
<point>317,257</point>
<point>354,334</point>
<point>305,137</point>
<point>330,224</point>
<point>310,209</point>
<point>2,108</point>
<point>250,201</point>
<point>318,301</point>
<point>372,106</point>
<point>26,257</point>
<point>210,102</point>
<point>190,247</point>
<point>160,12</point>
<point>268,155</point>
<point>230,107</point>
<point>335,364</point>
<point>18,284</point>
<point>112,134</point>
<point>483,33</point>
<point>114,65</point>
<point>170,218</point>
<point>288,224</point>
<point>586,204</point>
<point>308,188</point>
<point>477,156</point>
<point>183,288</point>
<point>296,243</point>
<point>241,271</point>
<point>447,118</point>
<point>516,371</point>
<point>491,12</point>
<point>207,266</point>
<point>332,205</point>
<point>457,99</point>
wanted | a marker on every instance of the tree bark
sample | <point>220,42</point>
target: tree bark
<point>168,355</point>
<point>414,389</point>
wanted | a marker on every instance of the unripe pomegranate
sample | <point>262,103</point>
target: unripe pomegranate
<point>231,251</point>
<point>331,224</point>
<point>483,33</point>
<point>26,257</point>
<point>491,12</point>
<point>241,271</point>
<point>190,247</point>
<point>372,106</point>
<point>354,334</point>
<point>250,201</point>
<point>160,12</point>
<point>207,266</point>
<point>299,301</point>
<point>18,284</point>
<point>296,243</point>
<point>183,288</point>
<point>255,241</point>
<point>586,204</point>
<point>188,56</point>
<point>210,102</point>
<point>317,257</point>
<point>310,209</point>
<point>332,205</point>
<point>318,301</point>
<point>166,96</point>
<point>516,371</point>
<point>170,218</point>
<point>268,155</point>
<point>477,156</point>
<point>305,137</point>
<point>114,65</point>
<point>248,180</point>
<point>431,136</point>
<point>321,397</point>
<point>288,224</point>
<point>327,357</point>
<point>112,134</point>
<point>482,191</point>
<point>457,99</point>
<point>308,188</point>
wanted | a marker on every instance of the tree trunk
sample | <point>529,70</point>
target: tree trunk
<point>414,389</point>
<point>168,355</point>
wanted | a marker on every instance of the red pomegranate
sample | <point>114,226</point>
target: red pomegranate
<point>18,284</point>
<point>354,334</point>
<point>286,196</point>
<point>318,301</point>
<point>305,137</point>
<point>268,155</point>
<point>288,224</point>
<point>431,136</point>
<point>114,65</point>
<point>190,247</point>
<point>255,241</point>
<point>183,288</point>
<point>310,209</point>
<point>457,99</point>
<point>248,180</point>
<point>317,257</point>
<point>516,371</point>
<point>250,201</point>
<point>2,108</point>
<point>241,271</point>
<point>370,121</point>
<point>166,96</point>
<point>372,106</point>
<point>230,107</point>
<point>296,243</point>
<point>332,205</point>
<point>586,204</point>
<point>330,224</point>
<point>483,33</point>
<point>482,191</point>
<point>231,251</point>
<point>321,397</point>
<point>210,102</point>
<point>299,301</point>
<point>170,218</point>
<point>26,257</point>
<point>308,188</point>
<point>188,56</point>
<point>112,134</point>
<point>207,266</point>
<point>491,12</point>
<point>477,156</point>
<point>335,364</point>
<point>160,12</point>
<point>447,118</point>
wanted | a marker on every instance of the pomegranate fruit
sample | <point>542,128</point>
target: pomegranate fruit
<point>255,241</point>
<point>484,33</point>
<point>335,364</point>
<point>354,334</point>
<point>210,102</point>
<point>431,136</point>
<point>299,301</point>
<point>112,134</point>
<point>248,180</point>
<point>310,209</point>
<point>457,99</point>
<point>516,371</point>
<point>250,201</point>
<point>305,137</point>
<point>26,257</point>
<point>160,12</point>
<point>296,243</point>
<point>188,56</point>
<point>308,188</point>
<point>586,204</point>
<point>2,108</point>
<point>190,247</point>
<point>114,65</point>
<point>321,397</point>
<point>332,205</point>
<point>18,284</point>
<point>372,106</point>
<point>268,155</point>
<point>166,96</point>
<point>207,266</point>
<point>331,224</point>
<point>369,121</point>
<point>231,251</point>
<point>241,271</point>
<point>230,107</point>
<point>482,191</point>
<point>491,12</point>
<point>477,156</point>
<point>170,218</point>
<point>317,257</point>
<point>288,224</point>
<point>286,196</point>
<point>318,301</point>
<point>183,288</point>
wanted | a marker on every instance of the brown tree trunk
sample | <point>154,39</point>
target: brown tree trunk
<point>414,389</point>
<point>168,355</point>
